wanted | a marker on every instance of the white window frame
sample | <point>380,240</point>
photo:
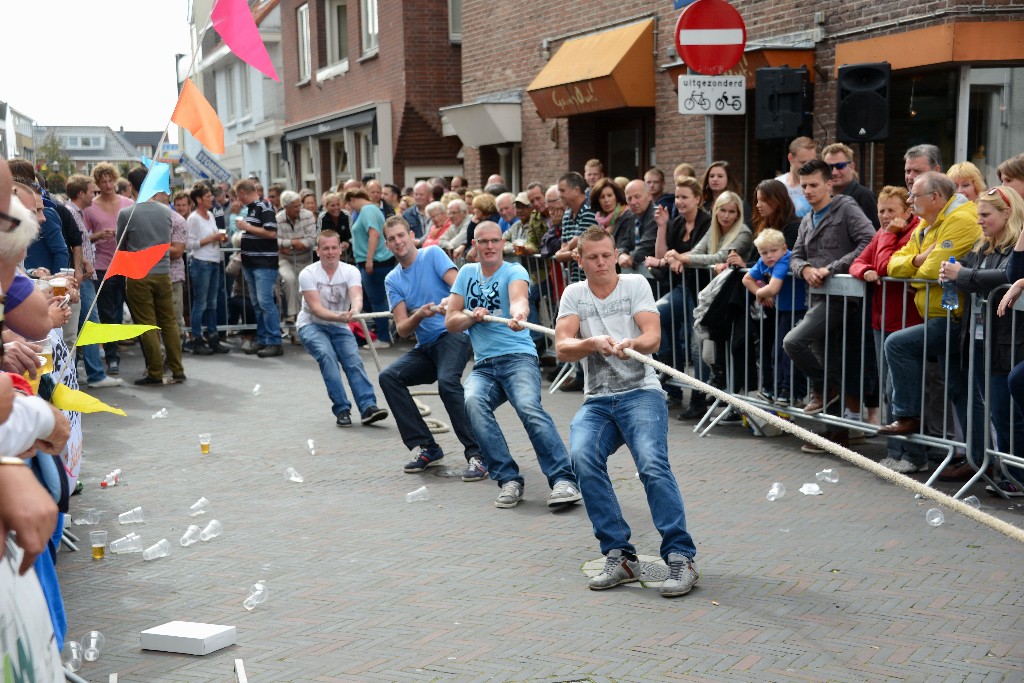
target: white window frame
<point>369,153</point>
<point>335,33</point>
<point>304,46</point>
<point>231,107</point>
<point>369,27</point>
<point>245,90</point>
<point>455,21</point>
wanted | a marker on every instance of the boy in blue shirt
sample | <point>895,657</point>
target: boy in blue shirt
<point>769,281</point>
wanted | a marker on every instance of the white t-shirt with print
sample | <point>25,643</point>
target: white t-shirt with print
<point>334,291</point>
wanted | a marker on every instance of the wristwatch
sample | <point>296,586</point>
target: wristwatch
<point>8,460</point>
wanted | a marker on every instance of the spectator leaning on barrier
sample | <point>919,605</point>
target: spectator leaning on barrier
<point>831,236</point>
<point>949,229</point>
<point>296,237</point>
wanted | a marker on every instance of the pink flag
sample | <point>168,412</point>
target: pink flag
<point>233,20</point>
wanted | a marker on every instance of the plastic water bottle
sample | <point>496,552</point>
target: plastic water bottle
<point>776,491</point>
<point>950,297</point>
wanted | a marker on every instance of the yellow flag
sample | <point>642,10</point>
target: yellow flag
<point>70,399</point>
<point>99,333</point>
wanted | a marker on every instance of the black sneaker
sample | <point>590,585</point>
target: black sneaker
<point>217,346</point>
<point>201,348</point>
<point>373,414</point>
<point>270,351</point>
<point>113,367</point>
<point>178,379</point>
<point>148,381</point>
<point>428,457</point>
<point>344,420</point>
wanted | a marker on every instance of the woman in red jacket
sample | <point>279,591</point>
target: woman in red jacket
<point>893,299</point>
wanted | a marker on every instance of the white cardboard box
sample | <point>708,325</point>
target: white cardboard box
<point>188,637</point>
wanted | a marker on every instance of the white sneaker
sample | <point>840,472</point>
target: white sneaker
<point>888,462</point>
<point>907,467</point>
<point>381,344</point>
<point>107,382</point>
<point>563,493</point>
<point>511,494</point>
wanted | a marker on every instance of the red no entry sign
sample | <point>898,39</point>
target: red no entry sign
<point>710,36</point>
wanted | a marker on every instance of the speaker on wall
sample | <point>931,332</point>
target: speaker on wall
<point>862,107</point>
<point>782,100</point>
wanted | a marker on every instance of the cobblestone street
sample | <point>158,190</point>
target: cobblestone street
<point>852,585</point>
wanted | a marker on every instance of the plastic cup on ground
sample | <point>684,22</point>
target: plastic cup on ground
<point>133,516</point>
<point>973,502</point>
<point>160,414</point>
<point>257,390</point>
<point>199,507</point>
<point>212,530</point>
<point>98,540</point>
<point>935,517</point>
<point>132,543</point>
<point>419,494</point>
<point>72,655</point>
<point>311,445</point>
<point>191,535</point>
<point>776,491</point>
<point>292,475</point>
<point>829,475</point>
<point>810,490</point>
<point>92,645</point>
<point>161,548</point>
<point>204,443</point>
<point>87,516</point>
<point>257,594</point>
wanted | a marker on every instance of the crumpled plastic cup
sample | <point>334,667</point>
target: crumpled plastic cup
<point>291,474</point>
<point>257,594</point>
<point>87,516</point>
<point>810,490</point>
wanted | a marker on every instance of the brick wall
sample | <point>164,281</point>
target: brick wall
<point>416,68</point>
<point>496,59</point>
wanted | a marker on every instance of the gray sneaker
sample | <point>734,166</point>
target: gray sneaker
<point>511,494</point>
<point>563,493</point>
<point>618,568</point>
<point>682,576</point>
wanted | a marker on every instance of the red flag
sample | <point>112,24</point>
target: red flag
<point>136,264</point>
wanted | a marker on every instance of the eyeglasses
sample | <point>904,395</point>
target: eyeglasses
<point>839,165</point>
<point>1002,194</point>
<point>487,243</point>
<point>8,222</point>
<point>912,196</point>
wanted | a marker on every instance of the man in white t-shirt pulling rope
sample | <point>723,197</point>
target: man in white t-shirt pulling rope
<point>624,405</point>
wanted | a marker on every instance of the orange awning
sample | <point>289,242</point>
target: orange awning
<point>607,70</point>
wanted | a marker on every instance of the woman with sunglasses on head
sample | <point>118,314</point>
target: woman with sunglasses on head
<point>980,271</point>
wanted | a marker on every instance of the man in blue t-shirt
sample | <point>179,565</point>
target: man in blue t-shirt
<point>505,368</point>
<point>417,290</point>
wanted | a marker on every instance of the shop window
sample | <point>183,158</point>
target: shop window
<point>369,24</point>
<point>302,29</point>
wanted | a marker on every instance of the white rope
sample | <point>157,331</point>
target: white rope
<point>852,457</point>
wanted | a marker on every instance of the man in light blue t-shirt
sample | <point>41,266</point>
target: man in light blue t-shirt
<point>505,368</point>
<point>417,291</point>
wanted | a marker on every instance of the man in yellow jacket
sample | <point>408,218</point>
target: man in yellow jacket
<point>949,228</point>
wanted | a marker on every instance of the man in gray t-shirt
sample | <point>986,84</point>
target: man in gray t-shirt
<point>598,320</point>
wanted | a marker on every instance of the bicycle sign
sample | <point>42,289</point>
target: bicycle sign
<point>712,94</point>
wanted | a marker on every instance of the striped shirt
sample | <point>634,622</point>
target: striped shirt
<point>260,252</point>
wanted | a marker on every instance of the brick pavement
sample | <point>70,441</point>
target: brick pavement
<point>849,586</point>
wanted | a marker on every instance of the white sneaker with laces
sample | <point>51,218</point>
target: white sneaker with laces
<point>563,493</point>
<point>682,576</point>
<point>511,494</point>
<point>618,569</point>
<point>107,382</point>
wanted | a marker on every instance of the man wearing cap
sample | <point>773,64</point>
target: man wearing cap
<point>522,240</point>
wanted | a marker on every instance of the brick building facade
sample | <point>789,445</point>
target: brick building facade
<point>363,86</point>
<point>957,72</point>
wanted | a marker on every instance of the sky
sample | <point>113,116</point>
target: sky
<point>94,62</point>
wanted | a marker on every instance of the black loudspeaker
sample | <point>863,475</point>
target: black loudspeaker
<point>782,103</point>
<point>862,108</point>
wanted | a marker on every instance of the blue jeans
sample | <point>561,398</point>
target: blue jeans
<point>638,419</point>
<point>377,296</point>
<point>94,368</point>
<point>261,283</point>
<point>906,350</point>
<point>333,344</point>
<point>205,290</point>
<point>443,361</point>
<point>516,378</point>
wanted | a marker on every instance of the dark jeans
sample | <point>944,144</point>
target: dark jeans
<point>110,305</point>
<point>375,299</point>
<point>442,361</point>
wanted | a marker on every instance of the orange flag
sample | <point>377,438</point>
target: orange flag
<point>196,115</point>
<point>136,264</point>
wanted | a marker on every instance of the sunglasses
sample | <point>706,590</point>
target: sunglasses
<point>1002,194</point>
<point>8,222</point>
<point>839,165</point>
